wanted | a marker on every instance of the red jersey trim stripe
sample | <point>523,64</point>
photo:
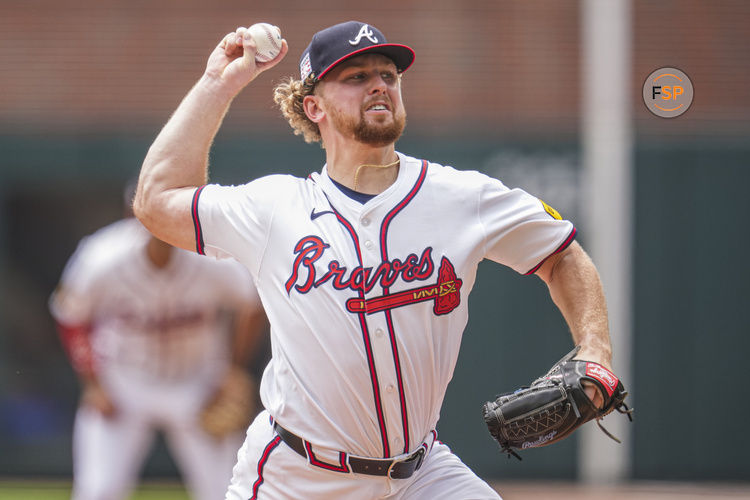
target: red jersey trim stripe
<point>367,343</point>
<point>389,320</point>
<point>562,247</point>
<point>262,463</point>
<point>199,246</point>
<point>342,467</point>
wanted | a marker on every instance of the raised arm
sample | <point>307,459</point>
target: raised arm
<point>176,163</point>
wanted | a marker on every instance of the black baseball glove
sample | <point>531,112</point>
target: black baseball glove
<point>553,406</point>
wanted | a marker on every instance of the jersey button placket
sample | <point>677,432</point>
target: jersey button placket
<point>366,235</point>
<point>381,341</point>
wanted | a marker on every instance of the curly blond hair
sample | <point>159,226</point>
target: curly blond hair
<point>288,95</point>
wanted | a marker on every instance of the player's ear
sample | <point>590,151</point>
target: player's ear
<point>313,107</point>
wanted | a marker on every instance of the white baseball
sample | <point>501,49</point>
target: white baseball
<point>267,39</point>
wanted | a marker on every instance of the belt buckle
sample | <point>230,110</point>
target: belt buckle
<point>417,456</point>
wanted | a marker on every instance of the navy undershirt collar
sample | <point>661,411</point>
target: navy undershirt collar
<point>354,195</point>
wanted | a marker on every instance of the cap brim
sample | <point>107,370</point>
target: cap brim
<point>401,55</point>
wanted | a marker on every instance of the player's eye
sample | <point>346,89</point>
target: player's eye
<point>388,76</point>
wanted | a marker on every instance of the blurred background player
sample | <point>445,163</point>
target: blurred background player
<point>159,338</point>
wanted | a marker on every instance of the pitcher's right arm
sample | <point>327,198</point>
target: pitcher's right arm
<point>177,162</point>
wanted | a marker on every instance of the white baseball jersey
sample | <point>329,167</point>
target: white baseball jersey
<point>164,324</point>
<point>368,302</point>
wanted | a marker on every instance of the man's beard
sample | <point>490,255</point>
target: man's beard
<point>372,134</point>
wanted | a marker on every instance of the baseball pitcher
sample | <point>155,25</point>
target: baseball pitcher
<point>364,267</point>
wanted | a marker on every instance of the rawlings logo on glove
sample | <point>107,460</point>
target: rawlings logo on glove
<point>553,406</point>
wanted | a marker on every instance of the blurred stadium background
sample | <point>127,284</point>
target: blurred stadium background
<point>497,86</point>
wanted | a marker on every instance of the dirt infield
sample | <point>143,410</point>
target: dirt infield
<point>632,491</point>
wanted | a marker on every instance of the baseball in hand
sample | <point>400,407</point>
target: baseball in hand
<point>267,40</point>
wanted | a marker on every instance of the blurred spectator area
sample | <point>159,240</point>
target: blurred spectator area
<point>482,67</point>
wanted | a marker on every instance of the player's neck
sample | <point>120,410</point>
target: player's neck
<point>364,169</point>
<point>158,252</point>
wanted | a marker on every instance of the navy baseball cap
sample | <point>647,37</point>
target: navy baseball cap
<point>338,43</point>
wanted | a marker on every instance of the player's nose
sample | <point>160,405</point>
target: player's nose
<point>379,85</point>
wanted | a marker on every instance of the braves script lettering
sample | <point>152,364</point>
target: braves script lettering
<point>311,248</point>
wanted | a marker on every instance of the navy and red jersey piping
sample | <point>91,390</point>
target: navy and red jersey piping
<point>366,340</point>
<point>565,244</point>
<point>342,466</point>
<point>389,320</point>
<point>199,245</point>
<point>262,463</point>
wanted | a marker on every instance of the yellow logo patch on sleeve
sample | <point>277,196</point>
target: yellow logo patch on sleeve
<point>554,213</point>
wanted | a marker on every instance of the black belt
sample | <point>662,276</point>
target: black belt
<point>395,469</point>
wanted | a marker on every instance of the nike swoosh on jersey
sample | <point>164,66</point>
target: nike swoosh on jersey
<point>314,215</point>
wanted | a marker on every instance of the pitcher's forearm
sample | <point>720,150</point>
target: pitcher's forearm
<point>576,289</point>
